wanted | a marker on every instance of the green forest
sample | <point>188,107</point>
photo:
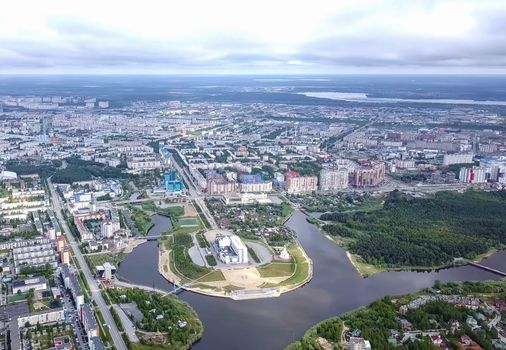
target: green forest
<point>378,321</point>
<point>76,169</point>
<point>170,312</point>
<point>423,232</point>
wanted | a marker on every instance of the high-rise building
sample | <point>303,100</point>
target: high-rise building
<point>333,179</point>
<point>65,256</point>
<point>219,185</point>
<point>172,181</point>
<point>372,173</point>
<point>458,158</point>
<point>46,125</point>
<point>295,183</point>
<point>107,228</point>
<point>474,175</point>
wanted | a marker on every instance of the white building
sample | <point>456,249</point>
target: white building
<point>108,228</point>
<point>231,250</point>
<point>474,175</point>
<point>449,159</point>
<point>23,286</point>
<point>333,179</point>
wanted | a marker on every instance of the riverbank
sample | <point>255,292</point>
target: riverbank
<point>365,269</point>
<point>381,316</point>
<point>272,323</point>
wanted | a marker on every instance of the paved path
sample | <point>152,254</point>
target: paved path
<point>127,324</point>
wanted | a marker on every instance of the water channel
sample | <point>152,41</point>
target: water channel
<point>273,323</point>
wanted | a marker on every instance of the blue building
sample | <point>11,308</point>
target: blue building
<point>172,182</point>
<point>251,179</point>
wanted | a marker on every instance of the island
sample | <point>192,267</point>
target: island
<point>248,254</point>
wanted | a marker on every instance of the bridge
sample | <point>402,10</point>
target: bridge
<point>487,268</point>
<point>176,290</point>
<point>151,238</point>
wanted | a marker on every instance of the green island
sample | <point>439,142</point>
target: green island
<point>262,230</point>
<point>435,231</point>
<point>163,322</point>
<point>467,315</point>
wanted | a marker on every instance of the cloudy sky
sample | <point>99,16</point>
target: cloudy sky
<point>273,36</point>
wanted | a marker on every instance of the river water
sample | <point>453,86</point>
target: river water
<point>274,323</point>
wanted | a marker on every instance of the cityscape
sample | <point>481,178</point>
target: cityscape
<point>313,204</point>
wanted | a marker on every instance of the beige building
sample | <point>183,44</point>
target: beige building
<point>294,183</point>
<point>256,187</point>
<point>333,179</point>
<point>370,175</point>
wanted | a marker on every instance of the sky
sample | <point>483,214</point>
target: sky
<point>253,37</point>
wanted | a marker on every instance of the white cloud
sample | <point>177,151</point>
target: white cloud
<point>252,36</point>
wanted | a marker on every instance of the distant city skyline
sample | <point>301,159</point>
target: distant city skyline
<point>254,37</point>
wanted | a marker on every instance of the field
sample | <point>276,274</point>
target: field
<point>17,297</point>
<point>276,269</point>
<point>188,222</point>
<point>99,259</point>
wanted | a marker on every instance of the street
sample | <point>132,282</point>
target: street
<point>95,291</point>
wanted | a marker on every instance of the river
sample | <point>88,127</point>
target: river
<point>273,323</point>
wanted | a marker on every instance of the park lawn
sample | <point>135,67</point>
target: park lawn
<point>147,347</point>
<point>13,298</point>
<point>213,276</point>
<point>363,268</point>
<point>277,269</point>
<point>286,212</point>
<point>302,267</point>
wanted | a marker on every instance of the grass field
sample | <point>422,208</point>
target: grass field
<point>214,276</point>
<point>277,269</point>
<point>100,259</point>
<point>301,271</point>
<point>188,221</point>
<point>16,297</point>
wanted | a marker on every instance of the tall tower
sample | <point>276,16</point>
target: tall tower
<point>46,125</point>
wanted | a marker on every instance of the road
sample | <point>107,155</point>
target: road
<point>80,335</point>
<point>118,341</point>
<point>195,195</point>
